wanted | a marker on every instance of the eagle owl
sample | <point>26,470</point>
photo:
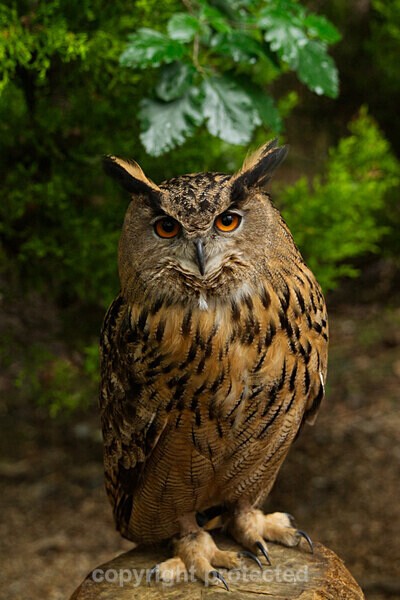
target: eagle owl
<point>214,354</point>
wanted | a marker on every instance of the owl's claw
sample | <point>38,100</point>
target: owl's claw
<point>217,575</point>
<point>247,554</point>
<point>307,538</point>
<point>250,527</point>
<point>263,549</point>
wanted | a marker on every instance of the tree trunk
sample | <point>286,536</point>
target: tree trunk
<point>295,574</point>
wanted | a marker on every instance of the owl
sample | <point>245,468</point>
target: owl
<point>213,355</point>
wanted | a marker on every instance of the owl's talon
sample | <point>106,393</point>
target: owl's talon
<point>307,538</point>
<point>247,554</point>
<point>263,549</point>
<point>217,575</point>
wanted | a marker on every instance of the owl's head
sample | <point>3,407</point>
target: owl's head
<point>202,236</point>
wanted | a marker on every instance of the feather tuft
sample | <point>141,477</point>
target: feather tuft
<point>257,169</point>
<point>131,177</point>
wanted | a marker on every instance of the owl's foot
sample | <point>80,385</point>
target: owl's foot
<point>196,555</point>
<point>251,528</point>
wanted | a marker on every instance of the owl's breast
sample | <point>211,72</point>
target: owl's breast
<point>187,352</point>
<point>235,357</point>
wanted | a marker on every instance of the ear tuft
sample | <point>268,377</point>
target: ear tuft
<point>257,169</point>
<point>130,176</point>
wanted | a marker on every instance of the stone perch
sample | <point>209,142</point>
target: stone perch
<point>295,574</point>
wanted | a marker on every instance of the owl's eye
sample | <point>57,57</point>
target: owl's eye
<point>228,221</point>
<point>167,227</point>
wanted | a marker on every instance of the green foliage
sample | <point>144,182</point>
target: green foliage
<point>367,58</point>
<point>32,41</point>
<point>58,383</point>
<point>64,102</point>
<point>384,44</point>
<point>203,56</point>
<point>337,218</point>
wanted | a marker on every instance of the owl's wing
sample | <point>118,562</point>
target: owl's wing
<point>318,341</point>
<point>315,396</point>
<point>130,421</point>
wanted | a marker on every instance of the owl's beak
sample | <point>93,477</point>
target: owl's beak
<point>200,256</point>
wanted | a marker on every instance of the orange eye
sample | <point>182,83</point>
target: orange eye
<point>167,227</point>
<point>228,221</point>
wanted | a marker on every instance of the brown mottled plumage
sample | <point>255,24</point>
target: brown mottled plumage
<point>207,378</point>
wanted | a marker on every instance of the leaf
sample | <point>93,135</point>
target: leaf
<point>229,111</point>
<point>238,45</point>
<point>183,27</point>
<point>284,34</point>
<point>149,48</point>
<point>317,70</point>
<point>265,107</point>
<point>166,125</point>
<point>309,58</point>
<point>321,28</point>
<point>175,80</point>
<point>214,18</point>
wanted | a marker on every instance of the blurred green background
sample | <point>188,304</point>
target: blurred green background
<point>172,84</point>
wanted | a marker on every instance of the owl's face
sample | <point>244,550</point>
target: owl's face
<point>201,236</point>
